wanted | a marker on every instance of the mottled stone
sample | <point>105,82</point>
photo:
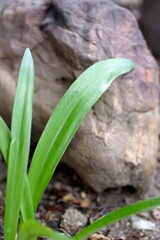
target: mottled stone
<point>73,221</point>
<point>142,224</point>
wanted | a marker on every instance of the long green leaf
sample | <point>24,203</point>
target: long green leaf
<point>117,215</point>
<point>26,202</point>
<point>5,138</point>
<point>27,209</point>
<point>20,144</point>
<point>67,117</point>
<point>31,229</point>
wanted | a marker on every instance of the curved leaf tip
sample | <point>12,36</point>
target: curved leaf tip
<point>27,58</point>
<point>126,65</point>
<point>27,52</point>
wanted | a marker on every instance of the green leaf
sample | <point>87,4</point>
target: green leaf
<point>31,229</point>
<point>20,144</point>
<point>67,117</point>
<point>26,202</point>
<point>117,215</point>
<point>5,138</point>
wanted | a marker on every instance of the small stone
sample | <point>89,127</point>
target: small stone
<point>72,221</point>
<point>52,219</point>
<point>49,216</point>
<point>145,215</point>
<point>156,213</point>
<point>98,236</point>
<point>83,195</point>
<point>139,235</point>
<point>142,224</point>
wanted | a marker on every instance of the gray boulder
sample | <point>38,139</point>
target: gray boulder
<point>117,143</point>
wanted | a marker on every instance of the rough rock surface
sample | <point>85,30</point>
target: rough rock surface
<point>117,143</point>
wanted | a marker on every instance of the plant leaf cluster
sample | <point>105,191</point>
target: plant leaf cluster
<point>25,188</point>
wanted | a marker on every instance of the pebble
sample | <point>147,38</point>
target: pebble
<point>145,215</point>
<point>156,213</point>
<point>98,236</point>
<point>142,224</point>
<point>72,221</point>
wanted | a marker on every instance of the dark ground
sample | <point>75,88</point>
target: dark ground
<point>68,190</point>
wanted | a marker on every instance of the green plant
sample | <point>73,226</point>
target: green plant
<point>23,190</point>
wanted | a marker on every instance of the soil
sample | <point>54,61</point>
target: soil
<point>66,190</point>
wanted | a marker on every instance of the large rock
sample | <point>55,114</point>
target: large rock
<point>133,6</point>
<point>117,143</point>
